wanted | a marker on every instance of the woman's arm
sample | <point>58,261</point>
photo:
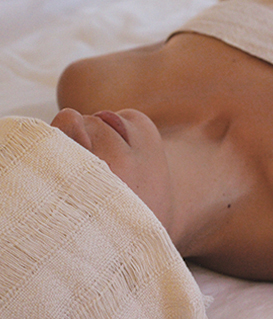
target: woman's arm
<point>171,82</point>
<point>188,79</point>
<point>116,81</point>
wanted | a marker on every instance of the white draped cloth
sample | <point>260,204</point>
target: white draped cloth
<point>244,24</point>
<point>75,241</point>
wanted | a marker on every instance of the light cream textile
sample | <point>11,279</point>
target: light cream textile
<point>75,241</point>
<point>244,24</point>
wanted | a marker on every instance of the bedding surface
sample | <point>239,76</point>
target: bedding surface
<point>39,38</point>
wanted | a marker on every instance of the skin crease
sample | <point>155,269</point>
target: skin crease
<point>208,163</point>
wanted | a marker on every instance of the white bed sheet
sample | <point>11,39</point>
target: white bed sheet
<point>38,38</point>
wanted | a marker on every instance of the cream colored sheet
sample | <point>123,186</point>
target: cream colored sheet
<point>76,242</point>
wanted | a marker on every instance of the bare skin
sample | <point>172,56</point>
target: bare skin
<point>212,105</point>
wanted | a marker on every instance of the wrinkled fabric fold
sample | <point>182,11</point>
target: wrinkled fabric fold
<point>75,241</point>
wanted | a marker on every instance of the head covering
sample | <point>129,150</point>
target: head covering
<point>244,24</point>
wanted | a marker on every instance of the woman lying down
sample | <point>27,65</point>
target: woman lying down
<point>206,171</point>
<point>188,128</point>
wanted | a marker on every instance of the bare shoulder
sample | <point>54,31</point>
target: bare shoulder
<point>189,78</point>
<point>170,81</point>
<point>124,79</point>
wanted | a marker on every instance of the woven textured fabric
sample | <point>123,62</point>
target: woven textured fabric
<point>75,241</point>
<point>244,24</point>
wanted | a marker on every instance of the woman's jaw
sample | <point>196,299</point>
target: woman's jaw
<point>129,142</point>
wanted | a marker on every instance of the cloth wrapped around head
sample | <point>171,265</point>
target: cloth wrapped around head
<point>76,241</point>
<point>244,24</point>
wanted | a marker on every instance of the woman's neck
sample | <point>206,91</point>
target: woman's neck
<point>207,176</point>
